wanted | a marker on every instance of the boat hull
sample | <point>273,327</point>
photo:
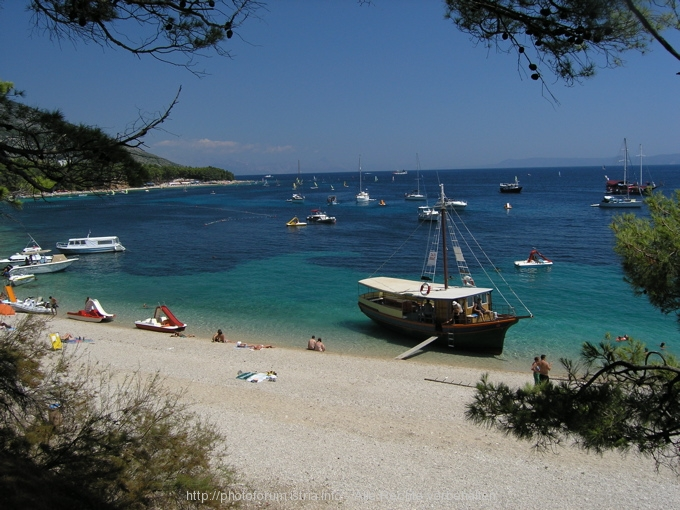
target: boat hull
<point>22,308</point>
<point>483,338</point>
<point>158,328</point>
<point>84,316</point>
<point>524,263</point>
<point>42,268</point>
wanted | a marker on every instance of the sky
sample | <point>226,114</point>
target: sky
<point>326,82</point>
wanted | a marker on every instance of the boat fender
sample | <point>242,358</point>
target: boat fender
<point>425,289</point>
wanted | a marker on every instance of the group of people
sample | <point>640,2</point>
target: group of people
<point>316,344</point>
<point>541,368</point>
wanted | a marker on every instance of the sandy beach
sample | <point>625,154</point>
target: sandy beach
<point>337,431</point>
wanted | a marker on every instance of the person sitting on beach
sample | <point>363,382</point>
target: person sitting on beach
<point>67,336</point>
<point>319,346</point>
<point>311,344</point>
<point>219,337</point>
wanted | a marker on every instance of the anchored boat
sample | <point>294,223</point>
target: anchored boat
<point>464,317</point>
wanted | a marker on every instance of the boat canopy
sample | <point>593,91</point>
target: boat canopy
<point>419,289</point>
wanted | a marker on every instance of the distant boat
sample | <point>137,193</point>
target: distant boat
<point>400,172</point>
<point>268,176</point>
<point>511,187</point>
<point>426,213</point>
<point>297,197</point>
<point>318,216</point>
<point>534,259</point>
<point>362,197</point>
<point>332,200</point>
<point>615,202</point>
<point>624,187</point>
<point>416,194</point>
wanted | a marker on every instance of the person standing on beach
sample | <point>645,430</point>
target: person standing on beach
<point>535,369</point>
<point>53,305</point>
<point>311,345</point>
<point>544,368</point>
<point>319,346</point>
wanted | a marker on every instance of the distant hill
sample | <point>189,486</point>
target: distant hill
<point>147,158</point>
<point>662,159</point>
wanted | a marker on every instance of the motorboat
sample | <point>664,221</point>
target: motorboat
<point>318,216</point>
<point>296,198</point>
<point>20,279</point>
<point>34,260</point>
<point>464,317</point>
<point>534,259</point>
<point>93,312</point>
<point>400,172</point>
<point>28,305</point>
<point>451,204</point>
<point>295,222</point>
<point>82,245</point>
<point>618,202</point>
<point>511,187</point>
<point>427,213</point>
<point>332,200</point>
<point>163,320</point>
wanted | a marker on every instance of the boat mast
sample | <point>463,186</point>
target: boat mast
<point>442,218</point>
<point>625,163</point>
<point>359,173</point>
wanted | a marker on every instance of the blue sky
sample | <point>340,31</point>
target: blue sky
<point>324,81</point>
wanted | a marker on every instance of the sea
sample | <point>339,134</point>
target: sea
<point>222,256</point>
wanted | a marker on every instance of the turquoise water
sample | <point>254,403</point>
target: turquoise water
<point>227,260</point>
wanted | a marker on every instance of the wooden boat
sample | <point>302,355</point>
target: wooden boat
<point>463,317</point>
<point>511,187</point>
<point>82,245</point>
<point>93,312</point>
<point>295,222</point>
<point>625,187</point>
<point>163,320</point>
<point>535,259</point>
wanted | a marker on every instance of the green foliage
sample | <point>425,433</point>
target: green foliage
<point>569,38</point>
<point>166,173</point>
<point>650,251</point>
<point>113,441</point>
<point>619,397</point>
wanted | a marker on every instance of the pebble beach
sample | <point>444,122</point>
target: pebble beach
<point>340,431</point>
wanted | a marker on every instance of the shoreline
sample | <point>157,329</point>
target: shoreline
<point>337,430</point>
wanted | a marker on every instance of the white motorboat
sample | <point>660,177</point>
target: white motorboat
<point>82,245</point>
<point>534,259</point>
<point>618,202</point>
<point>34,260</point>
<point>296,198</point>
<point>20,279</point>
<point>30,305</point>
<point>427,213</point>
<point>318,216</point>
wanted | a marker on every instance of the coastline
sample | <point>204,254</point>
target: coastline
<point>337,430</point>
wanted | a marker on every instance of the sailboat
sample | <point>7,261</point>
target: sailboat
<point>624,187</point>
<point>362,197</point>
<point>612,201</point>
<point>464,317</point>
<point>297,197</point>
<point>416,194</point>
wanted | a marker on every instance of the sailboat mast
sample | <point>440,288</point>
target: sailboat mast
<point>442,218</point>
<point>625,162</point>
<point>359,173</point>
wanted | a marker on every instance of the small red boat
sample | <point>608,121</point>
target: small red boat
<point>93,312</point>
<point>163,320</point>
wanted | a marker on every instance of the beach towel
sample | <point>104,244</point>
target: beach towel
<point>244,375</point>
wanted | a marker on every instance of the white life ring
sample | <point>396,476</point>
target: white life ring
<point>468,281</point>
<point>425,289</point>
